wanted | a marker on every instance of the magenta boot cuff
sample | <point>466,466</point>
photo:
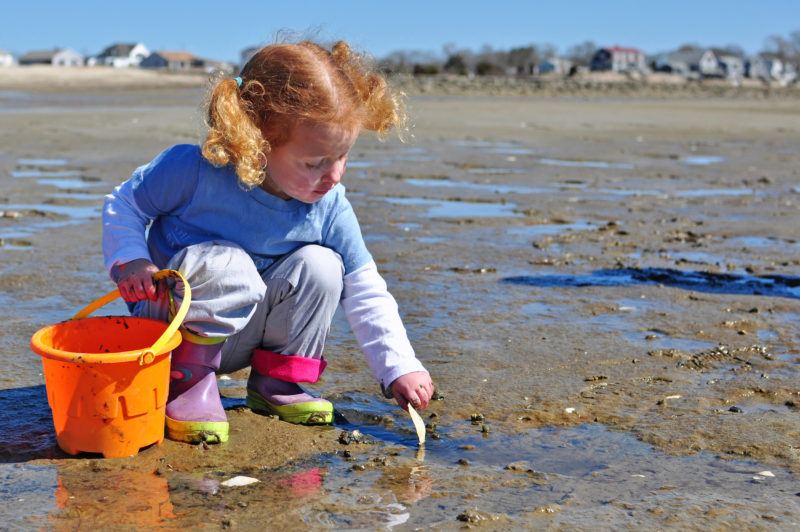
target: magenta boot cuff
<point>288,368</point>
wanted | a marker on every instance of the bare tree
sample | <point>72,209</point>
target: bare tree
<point>783,48</point>
<point>581,54</point>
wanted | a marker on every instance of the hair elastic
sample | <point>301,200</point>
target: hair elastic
<point>238,81</point>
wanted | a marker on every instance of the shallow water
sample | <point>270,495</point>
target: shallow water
<point>615,349</point>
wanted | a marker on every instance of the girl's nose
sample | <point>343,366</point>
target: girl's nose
<point>335,172</point>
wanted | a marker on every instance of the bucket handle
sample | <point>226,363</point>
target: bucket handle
<point>148,355</point>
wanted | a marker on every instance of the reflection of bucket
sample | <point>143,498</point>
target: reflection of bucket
<point>107,387</point>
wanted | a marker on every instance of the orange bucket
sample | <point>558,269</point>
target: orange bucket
<point>107,378</point>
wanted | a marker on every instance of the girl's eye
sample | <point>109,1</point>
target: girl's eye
<point>316,166</point>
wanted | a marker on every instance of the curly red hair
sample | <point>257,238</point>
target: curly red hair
<point>285,83</point>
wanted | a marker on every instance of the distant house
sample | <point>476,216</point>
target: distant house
<point>770,67</point>
<point>698,63</point>
<point>765,67</point>
<point>554,65</point>
<point>58,57</point>
<point>618,59</point>
<point>172,61</point>
<point>121,55</point>
<point>732,66</point>
<point>6,58</point>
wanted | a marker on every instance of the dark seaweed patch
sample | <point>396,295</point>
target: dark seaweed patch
<point>716,283</point>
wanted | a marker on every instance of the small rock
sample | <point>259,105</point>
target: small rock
<point>735,409</point>
<point>519,467</point>
<point>471,516</point>
<point>348,437</point>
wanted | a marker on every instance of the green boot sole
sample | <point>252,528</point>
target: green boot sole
<point>197,431</point>
<point>307,413</point>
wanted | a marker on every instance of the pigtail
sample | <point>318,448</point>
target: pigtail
<point>233,137</point>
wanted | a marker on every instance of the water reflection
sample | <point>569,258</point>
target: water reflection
<point>111,500</point>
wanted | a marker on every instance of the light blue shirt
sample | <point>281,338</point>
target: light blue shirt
<point>190,201</point>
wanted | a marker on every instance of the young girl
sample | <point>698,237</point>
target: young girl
<point>257,222</point>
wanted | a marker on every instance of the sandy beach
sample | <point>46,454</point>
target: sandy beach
<point>603,284</point>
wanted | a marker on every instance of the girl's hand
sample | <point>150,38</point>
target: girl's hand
<point>135,280</point>
<point>415,388</point>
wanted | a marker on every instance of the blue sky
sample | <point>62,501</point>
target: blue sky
<point>220,30</point>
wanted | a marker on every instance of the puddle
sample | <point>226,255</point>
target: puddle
<point>661,341</point>
<point>504,148</point>
<point>82,196</point>
<point>757,242</point>
<point>361,164</point>
<point>41,162</point>
<point>499,189</point>
<point>716,283</point>
<point>550,229</point>
<point>76,212</point>
<point>584,468</point>
<point>702,160</point>
<point>585,164</point>
<point>542,311</point>
<point>767,336</point>
<point>496,171</point>
<point>697,257</point>
<point>28,488</point>
<point>512,151</point>
<point>458,209</point>
<point>630,192</point>
<point>702,193</point>
<point>45,173</point>
<point>70,183</point>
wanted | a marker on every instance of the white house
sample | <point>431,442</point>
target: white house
<point>6,58</point>
<point>619,59</point>
<point>764,66</point>
<point>121,55</point>
<point>554,65</point>
<point>701,63</point>
<point>57,57</point>
<point>732,66</point>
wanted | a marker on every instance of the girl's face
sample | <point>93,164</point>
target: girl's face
<point>311,163</point>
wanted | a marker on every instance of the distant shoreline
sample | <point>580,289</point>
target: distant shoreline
<point>83,79</point>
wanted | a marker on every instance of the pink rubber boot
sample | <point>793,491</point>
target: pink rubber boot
<point>194,408</point>
<point>272,388</point>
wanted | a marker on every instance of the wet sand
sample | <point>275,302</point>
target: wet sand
<point>604,287</point>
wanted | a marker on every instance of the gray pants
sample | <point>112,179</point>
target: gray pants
<point>288,309</point>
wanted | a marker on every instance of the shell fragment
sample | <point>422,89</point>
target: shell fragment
<point>418,423</point>
<point>239,481</point>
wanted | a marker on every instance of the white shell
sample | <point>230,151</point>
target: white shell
<point>235,482</point>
